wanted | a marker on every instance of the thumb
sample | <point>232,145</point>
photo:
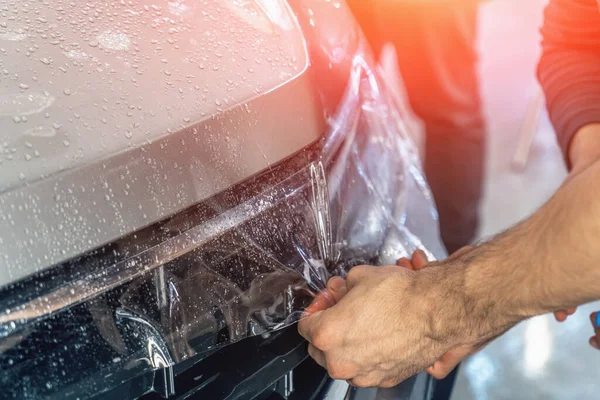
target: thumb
<point>336,289</point>
<point>310,324</point>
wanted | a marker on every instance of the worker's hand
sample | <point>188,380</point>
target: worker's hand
<point>595,340</point>
<point>562,315</point>
<point>388,324</point>
<point>336,289</point>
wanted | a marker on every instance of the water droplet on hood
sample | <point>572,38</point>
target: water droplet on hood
<point>40,131</point>
<point>13,36</point>
<point>114,40</point>
<point>24,103</point>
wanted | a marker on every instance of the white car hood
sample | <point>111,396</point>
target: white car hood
<point>114,115</point>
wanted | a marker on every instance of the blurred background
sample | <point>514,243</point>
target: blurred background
<point>540,358</point>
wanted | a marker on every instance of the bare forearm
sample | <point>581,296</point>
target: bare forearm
<point>553,256</point>
<point>545,263</point>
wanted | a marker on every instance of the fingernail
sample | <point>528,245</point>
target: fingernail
<point>597,320</point>
<point>337,284</point>
<point>320,303</point>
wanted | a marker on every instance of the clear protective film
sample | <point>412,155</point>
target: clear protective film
<point>244,263</point>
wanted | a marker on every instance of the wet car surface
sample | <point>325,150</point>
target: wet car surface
<point>180,176</point>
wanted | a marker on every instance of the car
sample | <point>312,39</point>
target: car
<point>178,180</point>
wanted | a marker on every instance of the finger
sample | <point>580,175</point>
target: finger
<point>323,301</point>
<point>419,260</point>
<point>560,316</point>
<point>440,371</point>
<point>449,361</point>
<point>317,355</point>
<point>308,325</point>
<point>595,319</point>
<point>337,288</point>
<point>405,263</point>
<point>594,343</point>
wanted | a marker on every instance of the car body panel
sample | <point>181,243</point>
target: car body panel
<point>180,176</point>
<point>114,116</point>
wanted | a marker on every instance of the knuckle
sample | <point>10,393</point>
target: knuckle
<point>324,337</point>
<point>339,371</point>
<point>353,275</point>
<point>321,340</point>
